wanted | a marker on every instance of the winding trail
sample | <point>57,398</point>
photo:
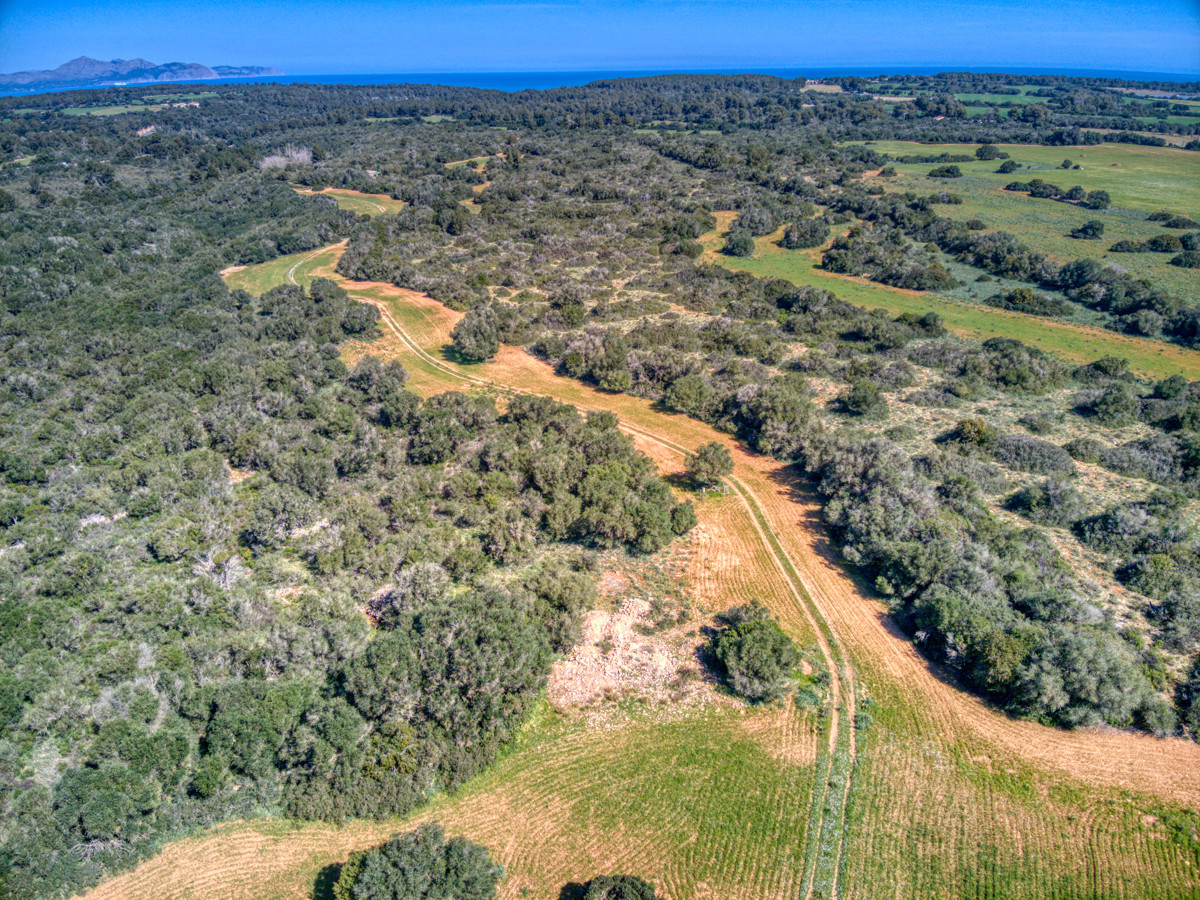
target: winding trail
<point>831,791</point>
<point>947,739</point>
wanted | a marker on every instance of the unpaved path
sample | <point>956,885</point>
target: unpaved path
<point>1169,769</point>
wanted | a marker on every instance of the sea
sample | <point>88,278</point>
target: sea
<point>524,81</point>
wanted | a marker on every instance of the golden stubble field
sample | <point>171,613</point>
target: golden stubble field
<point>899,784</point>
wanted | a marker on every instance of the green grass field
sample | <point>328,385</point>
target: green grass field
<point>357,201</point>
<point>1137,178</point>
<point>1045,224</point>
<point>1074,343</point>
<point>109,110</point>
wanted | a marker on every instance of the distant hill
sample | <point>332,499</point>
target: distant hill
<point>87,72</point>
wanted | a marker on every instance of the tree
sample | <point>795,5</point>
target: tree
<point>990,151</point>
<point>1098,200</point>
<point>709,464</point>
<point>477,336</point>
<point>945,172</point>
<point>1008,167</point>
<point>739,243</point>
<point>805,233</point>
<point>866,400</point>
<point>758,658</point>
<point>1089,230</point>
<point>619,887</point>
<point>417,865</point>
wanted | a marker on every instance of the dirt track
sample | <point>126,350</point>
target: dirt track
<point>1168,768</point>
<point>739,556</point>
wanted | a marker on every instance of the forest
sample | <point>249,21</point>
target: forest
<point>242,576</point>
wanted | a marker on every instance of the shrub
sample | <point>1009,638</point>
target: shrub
<point>866,400</point>
<point>945,172</point>
<point>974,433</point>
<point>1089,230</point>
<point>477,336</point>
<point>989,152</point>
<point>1052,502</point>
<point>805,233</point>
<point>618,887</point>
<point>1026,301</point>
<point>756,221</point>
<point>1098,200</point>
<point>420,865</point>
<point>1008,167</point>
<point>1188,259</point>
<point>757,657</point>
<point>1028,454</point>
<point>739,243</point>
<point>1162,243</point>
<point>1188,698</point>
<point>709,464</point>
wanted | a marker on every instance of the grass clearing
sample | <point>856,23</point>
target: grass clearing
<point>110,110</point>
<point>947,798</point>
<point>1077,343</point>
<point>1164,177</point>
<point>357,201</point>
<point>1138,178</point>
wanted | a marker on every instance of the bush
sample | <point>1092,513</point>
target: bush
<point>1188,259</point>
<point>755,221</point>
<point>1052,502</point>
<point>420,865</point>
<point>945,172</point>
<point>1008,167</point>
<point>758,658</point>
<point>739,243</point>
<point>805,233</point>
<point>1089,230</point>
<point>618,887</point>
<point>477,336</point>
<point>1026,301</point>
<point>709,464</point>
<point>1028,454</point>
<point>1188,698</point>
<point>866,400</point>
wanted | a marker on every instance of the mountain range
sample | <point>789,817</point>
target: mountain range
<point>88,72</point>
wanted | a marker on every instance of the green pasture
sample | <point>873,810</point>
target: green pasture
<point>1076,343</point>
<point>1046,224</point>
<point>1136,177</point>
<point>109,110</point>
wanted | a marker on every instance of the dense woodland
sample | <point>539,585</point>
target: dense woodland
<point>241,577</point>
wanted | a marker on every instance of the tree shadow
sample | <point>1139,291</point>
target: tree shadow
<point>572,890</point>
<point>326,879</point>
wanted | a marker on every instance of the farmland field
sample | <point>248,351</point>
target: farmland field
<point>940,795</point>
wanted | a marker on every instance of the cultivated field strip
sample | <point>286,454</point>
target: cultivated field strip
<point>696,801</point>
<point>949,798</point>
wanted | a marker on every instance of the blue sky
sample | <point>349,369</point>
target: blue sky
<point>379,36</point>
